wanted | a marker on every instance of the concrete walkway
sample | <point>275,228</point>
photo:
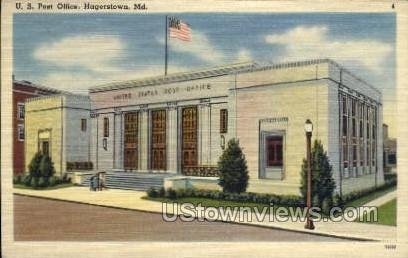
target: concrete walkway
<point>133,200</point>
<point>383,199</point>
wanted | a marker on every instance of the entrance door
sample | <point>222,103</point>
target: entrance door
<point>131,141</point>
<point>158,147</point>
<point>189,140</point>
<point>45,147</point>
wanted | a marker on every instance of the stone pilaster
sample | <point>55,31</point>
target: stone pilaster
<point>172,136</point>
<point>144,137</point>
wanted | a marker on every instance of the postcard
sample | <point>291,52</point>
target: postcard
<point>213,128</point>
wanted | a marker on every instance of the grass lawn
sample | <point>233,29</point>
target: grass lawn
<point>44,188</point>
<point>207,202</point>
<point>387,214</point>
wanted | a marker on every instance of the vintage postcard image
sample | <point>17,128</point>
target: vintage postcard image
<point>168,127</point>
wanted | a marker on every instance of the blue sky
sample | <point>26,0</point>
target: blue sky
<point>76,51</point>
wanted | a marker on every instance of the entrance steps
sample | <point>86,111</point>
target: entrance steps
<point>132,180</point>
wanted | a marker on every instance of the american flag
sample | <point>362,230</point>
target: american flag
<point>179,29</point>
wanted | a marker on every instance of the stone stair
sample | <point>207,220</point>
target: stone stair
<point>131,181</point>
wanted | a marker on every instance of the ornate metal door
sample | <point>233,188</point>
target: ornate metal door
<point>189,140</point>
<point>158,147</point>
<point>131,141</point>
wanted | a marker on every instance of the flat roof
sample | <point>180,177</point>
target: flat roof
<point>177,77</point>
<point>237,68</point>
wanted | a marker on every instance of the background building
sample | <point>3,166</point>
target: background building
<point>179,124</point>
<point>58,125</point>
<point>390,152</point>
<point>23,90</point>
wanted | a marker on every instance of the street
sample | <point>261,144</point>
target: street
<point>38,219</point>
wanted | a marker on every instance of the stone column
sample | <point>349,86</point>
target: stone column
<point>172,137</point>
<point>118,140</point>
<point>204,134</point>
<point>144,139</point>
<point>94,140</point>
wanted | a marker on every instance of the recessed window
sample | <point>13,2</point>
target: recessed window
<point>20,132</point>
<point>223,121</point>
<point>274,151</point>
<point>20,111</point>
<point>106,127</point>
<point>83,125</point>
<point>45,148</point>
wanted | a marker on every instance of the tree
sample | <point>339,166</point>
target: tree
<point>233,169</point>
<point>323,184</point>
<point>46,169</point>
<point>34,166</point>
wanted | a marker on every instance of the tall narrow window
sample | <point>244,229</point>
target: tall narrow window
<point>344,134</point>
<point>354,130</point>
<point>20,132</point>
<point>374,137</point>
<point>83,125</point>
<point>105,127</point>
<point>20,111</point>
<point>223,121</point>
<point>361,133</point>
<point>274,155</point>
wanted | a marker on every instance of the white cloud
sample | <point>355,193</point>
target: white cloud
<point>244,55</point>
<point>313,42</point>
<point>99,54</point>
<point>96,53</point>
<point>199,46</point>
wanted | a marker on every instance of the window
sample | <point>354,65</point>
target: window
<point>20,111</point>
<point>392,159</point>
<point>20,132</point>
<point>105,127</point>
<point>344,125</point>
<point>274,151</point>
<point>223,121</point>
<point>344,115</point>
<point>45,148</point>
<point>83,125</point>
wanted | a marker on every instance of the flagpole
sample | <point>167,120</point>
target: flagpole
<point>165,47</point>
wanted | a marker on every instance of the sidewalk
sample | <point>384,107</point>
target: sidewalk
<point>133,200</point>
<point>383,199</point>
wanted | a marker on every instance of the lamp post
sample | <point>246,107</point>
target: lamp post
<point>309,130</point>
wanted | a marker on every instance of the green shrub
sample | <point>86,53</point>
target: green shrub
<point>27,180</point>
<point>42,182</point>
<point>46,167</point>
<point>53,181</point>
<point>289,200</point>
<point>233,169</point>
<point>323,184</point>
<point>34,166</point>
<point>152,192</point>
<point>18,179</point>
<point>171,193</point>
<point>162,192</point>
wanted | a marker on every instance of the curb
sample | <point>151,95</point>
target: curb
<point>220,221</point>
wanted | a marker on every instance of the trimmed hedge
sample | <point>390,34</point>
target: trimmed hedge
<point>41,182</point>
<point>281,200</point>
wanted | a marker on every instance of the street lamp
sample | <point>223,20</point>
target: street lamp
<point>309,130</point>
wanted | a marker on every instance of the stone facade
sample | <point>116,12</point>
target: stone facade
<point>58,122</point>
<point>23,90</point>
<point>266,106</point>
